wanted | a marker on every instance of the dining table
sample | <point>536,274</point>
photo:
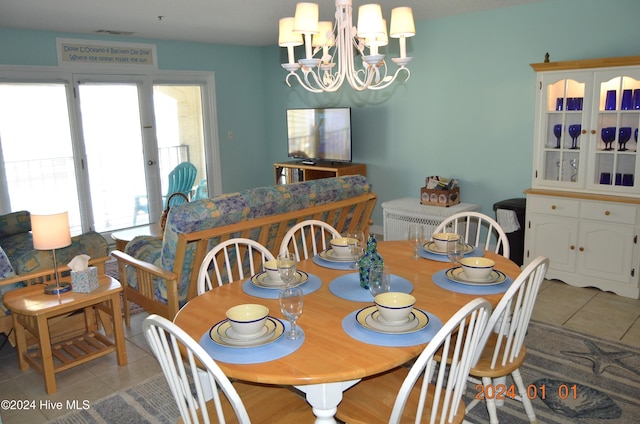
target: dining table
<point>336,351</point>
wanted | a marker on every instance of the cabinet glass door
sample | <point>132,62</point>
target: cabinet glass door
<point>616,137</point>
<point>564,134</point>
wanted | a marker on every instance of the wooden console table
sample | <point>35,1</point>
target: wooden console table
<point>297,171</point>
<point>33,310</point>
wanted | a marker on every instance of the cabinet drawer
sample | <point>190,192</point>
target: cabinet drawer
<point>609,212</point>
<point>553,206</point>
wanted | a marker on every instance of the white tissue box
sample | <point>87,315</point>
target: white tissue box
<point>85,281</point>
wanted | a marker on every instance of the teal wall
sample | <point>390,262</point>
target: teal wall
<point>466,111</point>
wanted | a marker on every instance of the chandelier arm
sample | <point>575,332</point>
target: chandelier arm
<point>302,83</point>
<point>385,84</point>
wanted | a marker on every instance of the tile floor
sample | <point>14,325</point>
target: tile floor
<point>583,309</point>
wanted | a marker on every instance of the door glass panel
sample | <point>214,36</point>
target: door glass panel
<point>180,133</point>
<point>564,107</point>
<point>112,134</point>
<point>37,150</point>
<point>617,144</point>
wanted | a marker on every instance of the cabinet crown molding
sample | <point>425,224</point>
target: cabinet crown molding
<point>586,63</point>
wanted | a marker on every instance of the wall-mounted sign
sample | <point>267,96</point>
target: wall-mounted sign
<point>103,53</point>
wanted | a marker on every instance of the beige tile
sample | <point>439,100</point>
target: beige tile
<point>618,308</point>
<point>85,391</point>
<point>605,315</point>
<point>557,302</point>
<point>596,324</point>
<point>632,336</point>
<point>23,417</point>
<point>131,374</point>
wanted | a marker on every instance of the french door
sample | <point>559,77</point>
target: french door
<point>96,150</point>
<point>113,127</point>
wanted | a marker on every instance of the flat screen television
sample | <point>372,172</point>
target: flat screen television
<point>319,134</point>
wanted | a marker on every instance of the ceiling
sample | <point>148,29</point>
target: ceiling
<point>239,22</point>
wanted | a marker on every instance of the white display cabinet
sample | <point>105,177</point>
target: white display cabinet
<point>583,210</point>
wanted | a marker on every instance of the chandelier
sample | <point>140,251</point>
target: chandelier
<point>330,47</point>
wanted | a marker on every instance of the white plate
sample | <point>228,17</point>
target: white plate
<point>221,335</point>
<point>370,319</point>
<point>262,280</point>
<point>457,275</point>
<point>430,247</point>
<point>330,255</point>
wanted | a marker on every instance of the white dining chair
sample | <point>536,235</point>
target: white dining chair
<point>309,238</point>
<point>429,391</point>
<point>478,229</point>
<point>503,349</point>
<point>229,260</point>
<point>202,391</point>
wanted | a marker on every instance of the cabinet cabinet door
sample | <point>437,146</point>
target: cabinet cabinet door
<point>553,237</point>
<point>614,127</point>
<point>606,251</point>
<point>564,102</point>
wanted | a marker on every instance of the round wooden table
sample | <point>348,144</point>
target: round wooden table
<point>330,361</point>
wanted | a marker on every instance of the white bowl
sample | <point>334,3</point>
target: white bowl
<point>271,267</point>
<point>395,306</point>
<point>340,246</point>
<point>248,318</point>
<point>477,268</point>
<point>441,240</point>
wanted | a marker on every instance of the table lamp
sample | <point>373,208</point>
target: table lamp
<point>51,232</point>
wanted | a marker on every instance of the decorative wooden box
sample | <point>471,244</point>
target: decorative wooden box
<point>443,198</point>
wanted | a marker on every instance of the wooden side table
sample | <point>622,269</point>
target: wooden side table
<point>32,311</point>
<point>125,236</point>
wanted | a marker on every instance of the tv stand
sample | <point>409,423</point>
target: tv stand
<point>296,171</point>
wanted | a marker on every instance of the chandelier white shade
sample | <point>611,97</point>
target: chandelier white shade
<point>331,47</point>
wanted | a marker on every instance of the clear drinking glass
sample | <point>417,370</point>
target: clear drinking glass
<point>455,249</point>
<point>287,267</point>
<point>356,244</point>
<point>291,303</point>
<point>415,236</point>
<point>379,280</point>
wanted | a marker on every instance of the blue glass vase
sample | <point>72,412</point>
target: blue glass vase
<point>370,258</point>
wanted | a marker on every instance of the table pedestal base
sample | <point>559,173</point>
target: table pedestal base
<point>324,398</point>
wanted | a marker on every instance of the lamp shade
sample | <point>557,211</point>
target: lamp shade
<point>381,40</point>
<point>324,37</point>
<point>402,24</point>
<point>370,23</point>
<point>306,18</point>
<point>286,36</point>
<point>50,231</point>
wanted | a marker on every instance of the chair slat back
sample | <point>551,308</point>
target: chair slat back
<point>478,229</point>
<point>194,384</point>
<point>309,238</point>
<point>511,316</point>
<point>181,180</point>
<point>231,260</point>
<point>444,382</point>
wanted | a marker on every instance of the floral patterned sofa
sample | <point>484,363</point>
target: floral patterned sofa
<point>21,264</point>
<point>160,274</point>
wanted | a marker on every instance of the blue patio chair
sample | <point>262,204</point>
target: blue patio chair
<point>181,180</point>
<point>202,191</point>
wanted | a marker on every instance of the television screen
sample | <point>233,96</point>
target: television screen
<point>319,134</point>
